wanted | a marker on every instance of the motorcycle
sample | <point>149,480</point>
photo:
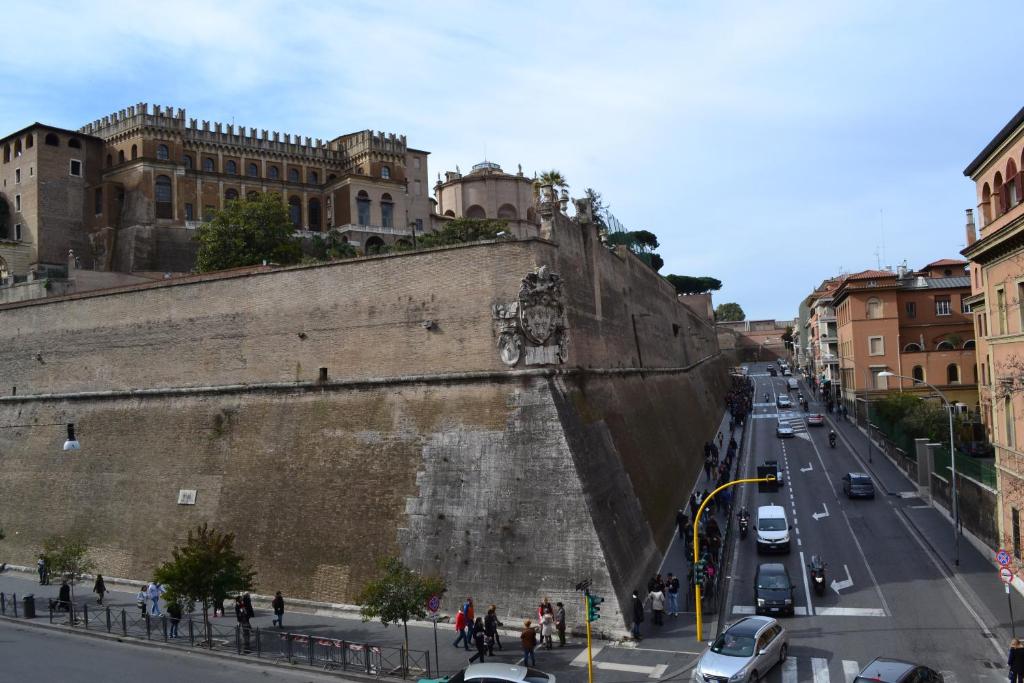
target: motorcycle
<point>744,522</point>
<point>766,398</point>
<point>832,439</point>
<point>817,569</point>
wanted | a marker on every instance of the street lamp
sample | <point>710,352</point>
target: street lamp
<point>952,459</point>
<point>72,443</point>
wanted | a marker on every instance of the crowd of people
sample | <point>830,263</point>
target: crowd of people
<point>482,632</point>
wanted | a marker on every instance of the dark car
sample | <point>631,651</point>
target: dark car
<point>772,371</point>
<point>858,485</point>
<point>773,590</point>
<point>885,670</point>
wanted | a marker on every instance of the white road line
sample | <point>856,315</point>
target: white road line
<point>789,670</point>
<point>799,543</point>
<point>749,609</point>
<point>807,587</point>
<point>658,671</point>
<point>850,670</point>
<point>849,612</point>
<point>819,667</point>
<point>628,668</point>
<point>581,658</point>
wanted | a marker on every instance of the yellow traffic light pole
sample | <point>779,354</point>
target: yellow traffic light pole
<point>590,657</point>
<point>696,548</point>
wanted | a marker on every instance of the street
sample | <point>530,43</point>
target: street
<point>888,594</point>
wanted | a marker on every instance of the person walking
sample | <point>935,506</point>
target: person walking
<point>681,520</point>
<point>244,623</point>
<point>247,604</point>
<point>43,569</point>
<point>462,627</point>
<point>480,640</point>
<point>1015,661</point>
<point>491,624</point>
<point>153,591</point>
<point>638,614</point>
<point>672,588</point>
<point>694,505</point>
<point>140,601</point>
<point>560,623</point>
<point>529,640</point>
<point>219,597</point>
<point>657,600</point>
<point>174,614</point>
<point>99,588</point>
<point>547,626</point>
<point>64,597</point>
<point>468,609</point>
<point>278,606</point>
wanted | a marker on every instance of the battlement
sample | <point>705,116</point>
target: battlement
<point>366,141</point>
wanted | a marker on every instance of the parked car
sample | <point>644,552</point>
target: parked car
<point>488,673</point>
<point>885,670</point>
<point>858,485</point>
<point>815,420</point>
<point>783,401</point>
<point>773,590</point>
<point>784,431</point>
<point>745,651</point>
<point>772,528</point>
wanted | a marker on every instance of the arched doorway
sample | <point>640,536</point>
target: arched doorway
<point>374,245</point>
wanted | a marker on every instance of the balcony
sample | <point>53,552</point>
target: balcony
<point>377,229</point>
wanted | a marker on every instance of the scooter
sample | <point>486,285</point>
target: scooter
<point>766,397</point>
<point>832,439</point>
<point>817,569</point>
<point>744,521</point>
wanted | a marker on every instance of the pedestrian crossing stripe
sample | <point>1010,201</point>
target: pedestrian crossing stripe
<point>801,611</point>
<point>819,670</point>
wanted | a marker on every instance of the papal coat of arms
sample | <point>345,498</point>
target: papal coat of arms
<point>534,323</point>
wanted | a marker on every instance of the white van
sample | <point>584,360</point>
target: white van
<point>792,384</point>
<point>772,529</point>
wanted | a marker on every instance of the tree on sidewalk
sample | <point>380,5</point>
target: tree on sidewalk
<point>68,558</point>
<point>205,567</point>
<point>398,594</point>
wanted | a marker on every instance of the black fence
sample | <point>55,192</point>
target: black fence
<point>274,644</point>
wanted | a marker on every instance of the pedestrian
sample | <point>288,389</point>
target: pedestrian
<point>529,640</point>
<point>491,624</point>
<point>719,439</point>
<point>174,612</point>
<point>153,591</point>
<point>244,623</point>
<point>467,607</point>
<point>707,466</point>
<point>140,601</point>
<point>64,596</point>
<point>673,595</point>
<point>681,521</point>
<point>239,608</point>
<point>247,604</point>
<point>462,627</point>
<point>694,504</point>
<point>480,640</point>
<point>560,623</point>
<point>99,588</point>
<point>41,567</point>
<point>1015,661</point>
<point>219,597</point>
<point>278,606</point>
<point>638,614</point>
<point>547,626</point>
<point>656,598</point>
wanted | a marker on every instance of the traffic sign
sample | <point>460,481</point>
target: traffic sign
<point>1003,558</point>
<point>434,603</point>
<point>1006,574</point>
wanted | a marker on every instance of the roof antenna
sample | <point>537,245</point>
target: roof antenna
<point>881,226</point>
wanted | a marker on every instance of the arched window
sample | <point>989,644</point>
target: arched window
<point>917,373</point>
<point>110,160</point>
<point>387,211</point>
<point>163,152</point>
<point>7,152</point>
<point>252,170</point>
<point>135,151</point>
<point>313,214</point>
<point>911,348</point>
<point>273,173</point>
<point>120,156</point>
<point>313,177</point>
<point>163,198</point>
<point>209,165</point>
<point>449,212</point>
<point>475,211</point>
<point>874,306</point>
<point>75,142</point>
<point>231,167</point>
<point>293,175</point>
<point>986,204</point>
<point>187,160</point>
<point>944,345</point>
<point>385,172</point>
<point>295,211</point>
<point>969,344</point>
<point>331,177</point>
<point>952,374</point>
<point>507,212</point>
<point>17,148</point>
<point>363,208</point>
<point>230,194</point>
<point>374,245</point>
<point>997,188</point>
<point>975,369</point>
<point>52,140</point>
<point>29,141</point>
<point>1012,191</point>
<point>252,195</point>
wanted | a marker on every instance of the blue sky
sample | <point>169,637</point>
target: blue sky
<point>765,143</point>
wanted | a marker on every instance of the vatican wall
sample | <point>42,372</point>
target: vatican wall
<point>333,414</point>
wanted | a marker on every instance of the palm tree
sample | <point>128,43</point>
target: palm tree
<point>554,178</point>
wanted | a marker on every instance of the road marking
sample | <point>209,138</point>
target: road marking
<point>807,588</point>
<point>819,515</point>
<point>671,652</point>
<point>845,583</point>
<point>655,671</point>
<point>581,658</point>
<point>749,609</point>
<point>849,612</point>
<point>789,670</point>
<point>819,667</point>
<point>810,466</point>
<point>658,671</point>
<point>799,543</point>
<point>850,670</point>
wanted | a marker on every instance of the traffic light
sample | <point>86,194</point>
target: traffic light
<point>698,572</point>
<point>765,471</point>
<point>593,607</point>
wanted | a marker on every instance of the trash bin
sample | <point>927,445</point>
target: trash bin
<point>29,607</point>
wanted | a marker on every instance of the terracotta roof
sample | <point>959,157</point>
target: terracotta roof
<point>945,262</point>
<point>870,275</point>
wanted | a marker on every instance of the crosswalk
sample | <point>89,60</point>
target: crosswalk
<point>794,420</point>
<point>812,669</point>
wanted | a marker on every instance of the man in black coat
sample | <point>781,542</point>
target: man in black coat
<point>638,614</point>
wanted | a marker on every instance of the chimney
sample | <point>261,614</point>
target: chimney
<point>972,235</point>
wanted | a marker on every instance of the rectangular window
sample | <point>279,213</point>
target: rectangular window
<point>942,305</point>
<point>911,309</point>
<point>1009,419</point>
<point>419,225</point>
<point>17,202</point>
<point>31,171</point>
<point>17,176</point>
<point>876,346</point>
<point>984,378</point>
<point>417,188</point>
<point>98,201</point>
<point>1001,309</point>
<point>189,213</point>
<point>1015,524</point>
<point>879,382</point>
<point>965,307</point>
<point>17,231</point>
<point>76,167</point>
<point>1020,303</point>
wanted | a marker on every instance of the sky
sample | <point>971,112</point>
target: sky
<point>768,144</point>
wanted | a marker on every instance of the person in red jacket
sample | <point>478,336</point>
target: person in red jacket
<point>462,626</point>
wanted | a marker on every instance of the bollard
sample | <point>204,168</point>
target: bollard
<point>14,599</point>
<point>310,655</point>
<point>259,645</point>
<point>238,639</point>
<point>368,652</point>
<point>288,646</point>
<point>148,627</point>
<point>85,615</point>
<point>3,603</point>
<point>427,653</point>
<point>124,623</point>
<point>191,633</point>
<point>163,625</point>
<point>108,619</point>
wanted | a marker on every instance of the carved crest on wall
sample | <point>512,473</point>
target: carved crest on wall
<point>533,326</point>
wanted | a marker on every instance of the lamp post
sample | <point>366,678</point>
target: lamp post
<point>952,459</point>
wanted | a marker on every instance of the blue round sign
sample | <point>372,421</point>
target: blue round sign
<point>1003,557</point>
<point>434,603</point>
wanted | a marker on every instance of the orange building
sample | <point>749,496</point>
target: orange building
<point>997,282</point>
<point>909,323</point>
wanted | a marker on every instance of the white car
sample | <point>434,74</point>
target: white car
<point>494,673</point>
<point>815,419</point>
<point>745,652</point>
<point>784,431</point>
<point>772,529</point>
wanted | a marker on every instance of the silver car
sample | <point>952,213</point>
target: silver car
<point>494,673</point>
<point>744,653</point>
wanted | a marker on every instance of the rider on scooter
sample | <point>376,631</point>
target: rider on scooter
<point>832,438</point>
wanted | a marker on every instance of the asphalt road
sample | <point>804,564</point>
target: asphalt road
<point>34,654</point>
<point>892,597</point>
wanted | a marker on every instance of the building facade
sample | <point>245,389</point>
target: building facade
<point>488,192</point>
<point>997,285</point>
<point>914,324</point>
<point>127,191</point>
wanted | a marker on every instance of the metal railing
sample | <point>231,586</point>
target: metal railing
<point>274,644</point>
